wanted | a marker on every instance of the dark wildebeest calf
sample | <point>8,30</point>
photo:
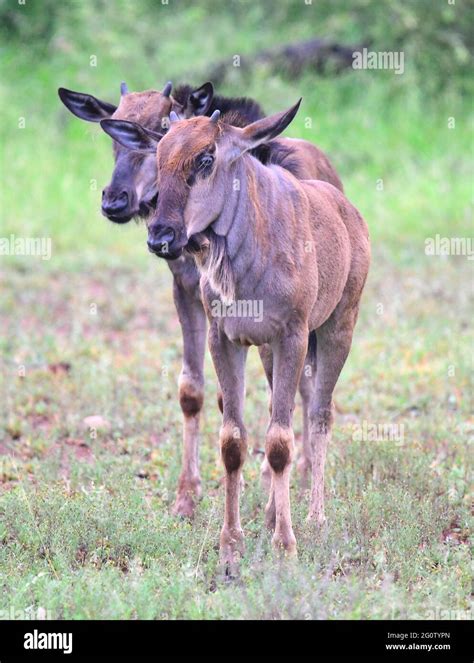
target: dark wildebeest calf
<point>298,247</point>
<point>133,192</point>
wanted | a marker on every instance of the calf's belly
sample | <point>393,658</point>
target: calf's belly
<point>248,331</point>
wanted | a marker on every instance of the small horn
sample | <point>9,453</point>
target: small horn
<point>167,89</point>
<point>173,117</point>
<point>123,88</point>
<point>215,116</point>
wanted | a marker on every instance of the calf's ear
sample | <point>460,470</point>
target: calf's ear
<point>132,135</point>
<point>199,100</point>
<point>267,128</point>
<point>85,106</point>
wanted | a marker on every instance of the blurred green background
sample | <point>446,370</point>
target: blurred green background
<point>85,523</point>
<point>375,125</point>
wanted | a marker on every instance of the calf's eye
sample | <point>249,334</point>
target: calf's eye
<point>204,161</point>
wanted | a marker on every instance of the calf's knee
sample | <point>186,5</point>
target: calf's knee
<point>191,396</point>
<point>279,447</point>
<point>233,441</point>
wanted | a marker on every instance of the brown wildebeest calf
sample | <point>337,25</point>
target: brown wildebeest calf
<point>298,247</point>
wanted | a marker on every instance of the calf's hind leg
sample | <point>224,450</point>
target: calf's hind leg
<point>334,342</point>
<point>306,389</point>
<point>266,356</point>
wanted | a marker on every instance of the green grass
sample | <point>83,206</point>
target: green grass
<point>85,524</point>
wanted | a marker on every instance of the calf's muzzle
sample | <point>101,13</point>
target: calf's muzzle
<point>162,241</point>
<point>116,206</point>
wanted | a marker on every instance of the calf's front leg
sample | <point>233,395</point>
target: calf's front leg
<point>191,395</point>
<point>289,353</point>
<point>229,361</point>
<point>306,388</point>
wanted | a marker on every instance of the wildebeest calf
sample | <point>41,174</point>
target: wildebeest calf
<point>132,193</point>
<point>298,247</point>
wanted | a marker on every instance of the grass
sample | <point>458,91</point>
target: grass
<point>85,524</point>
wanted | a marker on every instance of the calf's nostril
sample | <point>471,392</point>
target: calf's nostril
<point>167,236</point>
<point>114,205</point>
<point>160,241</point>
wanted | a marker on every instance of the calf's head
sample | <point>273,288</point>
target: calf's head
<point>195,163</point>
<point>132,190</point>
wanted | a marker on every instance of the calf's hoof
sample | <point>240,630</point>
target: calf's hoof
<point>184,507</point>
<point>285,545</point>
<point>316,517</point>
<point>186,501</point>
<point>231,551</point>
